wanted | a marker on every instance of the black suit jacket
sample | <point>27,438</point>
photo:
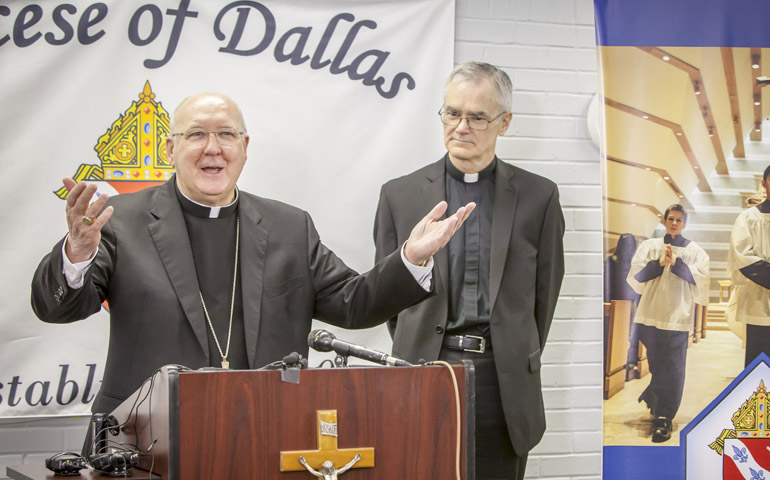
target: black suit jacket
<point>526,270</point>
<point>145,270</point>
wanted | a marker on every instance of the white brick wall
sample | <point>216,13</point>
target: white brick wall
<point>548,49</point>
<point>31,441</point>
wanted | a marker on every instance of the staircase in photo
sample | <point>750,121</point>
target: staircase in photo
<point>715,213</point>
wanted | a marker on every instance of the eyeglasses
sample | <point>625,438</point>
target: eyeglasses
<point>200,137</point>
<point>475,122</point>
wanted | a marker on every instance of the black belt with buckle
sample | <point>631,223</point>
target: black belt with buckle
<point>467,343</point>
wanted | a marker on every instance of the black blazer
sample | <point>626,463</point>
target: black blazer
<point>526,271</point>
<point>145,270</point>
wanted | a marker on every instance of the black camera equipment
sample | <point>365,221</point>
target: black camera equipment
<point>96,437</point>
<point>114,464</point>
<point>65,464</point>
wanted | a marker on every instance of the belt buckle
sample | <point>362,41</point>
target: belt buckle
<point>482,344</point>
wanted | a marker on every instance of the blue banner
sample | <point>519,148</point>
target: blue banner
<point>683,23</point>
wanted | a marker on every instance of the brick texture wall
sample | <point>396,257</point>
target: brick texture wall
<point>548,49</point>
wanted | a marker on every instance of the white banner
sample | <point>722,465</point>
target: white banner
<point>338,97</point>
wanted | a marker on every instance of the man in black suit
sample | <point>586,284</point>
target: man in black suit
<point>198,273</point>
<point>498,280</point>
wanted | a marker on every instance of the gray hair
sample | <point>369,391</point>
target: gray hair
<point>477,71</point>
<point>187,100</point>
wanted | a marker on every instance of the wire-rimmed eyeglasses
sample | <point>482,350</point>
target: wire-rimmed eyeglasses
<point>224,136</point>
<point>475,122</point>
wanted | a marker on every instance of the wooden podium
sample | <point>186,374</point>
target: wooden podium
<point>240,424</point>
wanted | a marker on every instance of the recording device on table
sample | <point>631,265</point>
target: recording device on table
<point>116,463</point>
<point>325,341</point>
<point>97,454</point>
<point>66,464</point>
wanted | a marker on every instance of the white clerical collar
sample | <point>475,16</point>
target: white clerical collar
<point>213,212</point>
<point>463,177</point>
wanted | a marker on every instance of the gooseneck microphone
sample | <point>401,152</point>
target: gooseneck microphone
<point>325,341</point>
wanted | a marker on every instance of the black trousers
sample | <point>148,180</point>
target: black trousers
<point>495,458</point>
<point>757,341</point>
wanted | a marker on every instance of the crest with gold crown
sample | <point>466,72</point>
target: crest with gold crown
<point>132,152</point>
<point>750,421</point>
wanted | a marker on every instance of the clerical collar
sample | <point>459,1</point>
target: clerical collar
<point>678,241</point>
<point>455,172</point>
<point>206,211</point>
<point>764,207</point>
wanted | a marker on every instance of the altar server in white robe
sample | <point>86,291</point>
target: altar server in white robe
<point>749,271</point>
<point>672,275</point>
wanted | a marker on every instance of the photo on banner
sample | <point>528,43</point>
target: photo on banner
<point>338,97</point>
<point>684,128</point>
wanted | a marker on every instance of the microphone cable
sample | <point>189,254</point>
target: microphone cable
<point>457,412</point>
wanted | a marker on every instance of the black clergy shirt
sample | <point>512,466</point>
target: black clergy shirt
<point>212,237</point>
<point>469,250</point>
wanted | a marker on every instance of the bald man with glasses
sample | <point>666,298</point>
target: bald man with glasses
<point>498,280</point>
<point>199,273</point>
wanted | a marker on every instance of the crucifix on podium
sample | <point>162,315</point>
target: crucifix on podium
<point>327,456</point>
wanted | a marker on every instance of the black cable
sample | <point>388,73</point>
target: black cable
<point>108,426</point>
<point>134,410</point>
<point>121,425</point>
<point>331,363</point>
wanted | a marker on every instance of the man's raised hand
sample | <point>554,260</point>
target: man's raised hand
<point>431,234</point>
<point>83,220</point>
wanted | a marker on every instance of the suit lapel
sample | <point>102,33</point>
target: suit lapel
<point>175,252</point>
<point>434,191</point>
<point>503,212</point>
<point>253,248</point>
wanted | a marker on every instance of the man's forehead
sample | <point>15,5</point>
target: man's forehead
<point>205,118</point>
<point>471,83</point>
<point>473,95</point>
<point>206,108</point>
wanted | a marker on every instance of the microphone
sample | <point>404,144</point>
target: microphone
<point>294,359</point>
<point>325,341</point>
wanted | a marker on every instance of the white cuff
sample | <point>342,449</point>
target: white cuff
<point>423,275</point>
<point>74,272</point>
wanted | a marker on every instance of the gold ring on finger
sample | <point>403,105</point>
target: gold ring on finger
<point>87,220</point>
